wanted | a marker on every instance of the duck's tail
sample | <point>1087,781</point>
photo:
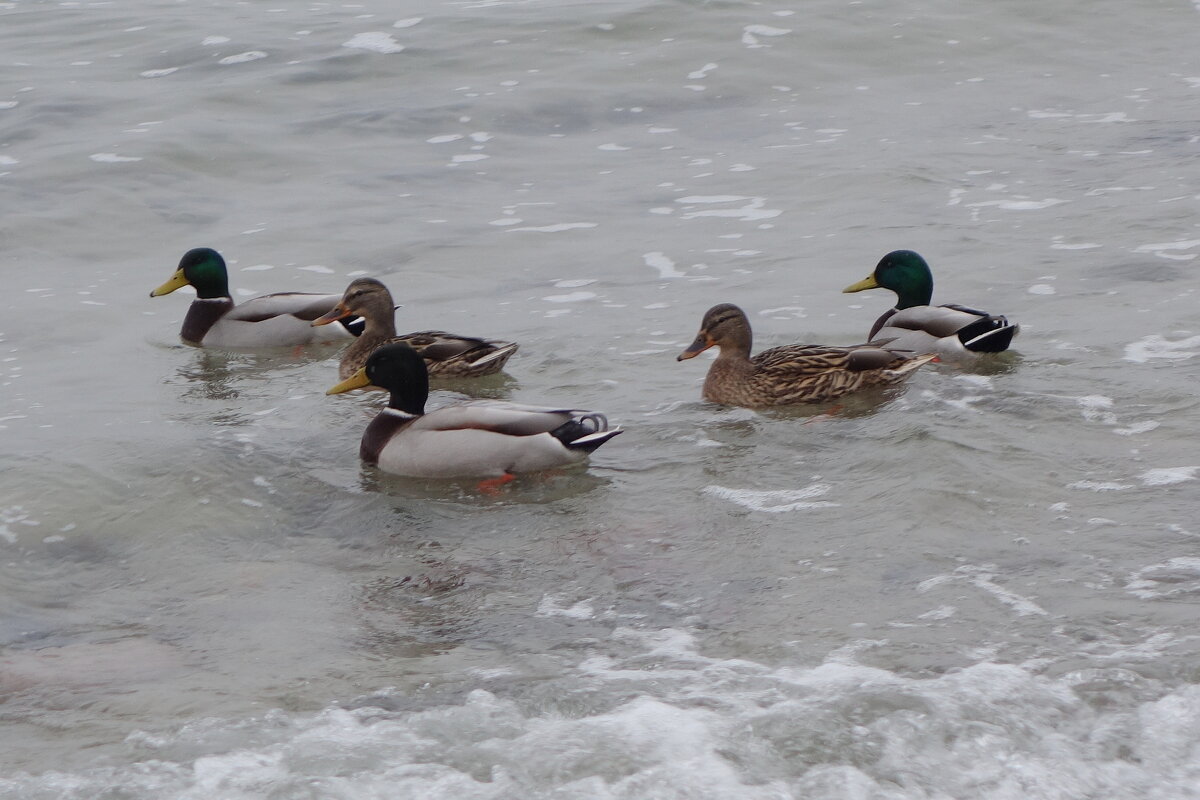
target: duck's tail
<point>990,334</point>
<point>585,432</point>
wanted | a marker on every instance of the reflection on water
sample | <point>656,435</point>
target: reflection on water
<point>525,488</point>
<point>212,374</point>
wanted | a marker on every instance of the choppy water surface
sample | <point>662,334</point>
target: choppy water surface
<point>983,585</point>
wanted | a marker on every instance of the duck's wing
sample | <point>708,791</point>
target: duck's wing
<point>450,354</point>
<point>956,329</point>
<point>275,320</point>
<point>792,362</point>
<point>512,419</point>
<point>302,305</point>
<point>937,321</point>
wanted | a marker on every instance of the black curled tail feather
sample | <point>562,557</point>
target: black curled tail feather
<point>989,334</point>
<point>585,432</point>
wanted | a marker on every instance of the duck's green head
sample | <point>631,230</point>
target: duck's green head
<point>202,268</point>
<point>397,368</point>
<point>905,273</point>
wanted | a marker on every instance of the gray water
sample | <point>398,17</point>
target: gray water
<point>981,585</point>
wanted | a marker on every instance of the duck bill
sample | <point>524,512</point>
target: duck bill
<point>866,283</point>
<point>703,342</point>
<point>358,380</point>
<point>176,281</point>
<point>337,312</point>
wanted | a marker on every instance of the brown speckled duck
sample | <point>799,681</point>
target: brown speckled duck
<point>446,355</point>
<point>796,373</point>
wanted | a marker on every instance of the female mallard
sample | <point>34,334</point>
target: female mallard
<point>955,333</point>
<point>477,439</point>
<point>795,373</point>
<point>446,354</point>
<point>273,320</point>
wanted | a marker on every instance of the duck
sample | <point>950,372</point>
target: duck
<point>487,439</point>
<point>446,355</point>
<point>953,332</point>
<point>273,320</point>
<point>795,373</point>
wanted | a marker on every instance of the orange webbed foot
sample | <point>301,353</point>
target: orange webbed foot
<point>491,486</point>
<point>832,412</point>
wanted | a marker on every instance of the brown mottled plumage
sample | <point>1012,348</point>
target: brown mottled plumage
<point>797,373</point>
<point>446,355</point>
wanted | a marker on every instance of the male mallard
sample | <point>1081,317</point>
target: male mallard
<point>953,332</point>
<point>446,354</point>
<point>476,439</point>
<point>272,320</point>
<point>795,373</point>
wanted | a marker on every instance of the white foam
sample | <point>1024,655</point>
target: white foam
<point>468,157</point>
<point>562,226</point>
<point>445,137</point>
<point>680,724</point>
<point>318,268</point>
<point>1041,288</point>
<point>1155,346</point>
<point>1018,205</point>
<point>111,158</point>
<point>1096,409</point>
<point>375,42</point>
<point>407,23</point>
<point>242,58</point>
<point>983,577</point>
<point>1166,476</point>
<point>1163,248</point>
<point>1099,486</point>
<point>1173,578</point>
<point>1145,426</point>
<point>750,34</point>
<point>662,263</point>
<point>570,297</point>
<point>752,210</point>
<point>552,606</point>
<point>209,41</point>
<point>158,73</point>
<point>775,501</point>
<point>14,515</point>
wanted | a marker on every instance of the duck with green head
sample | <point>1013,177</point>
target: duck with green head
<point>282,319</point>
<point>953,332</point>
<point>483,438</point>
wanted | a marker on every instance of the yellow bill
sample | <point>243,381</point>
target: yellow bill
<point>176,281</point>
<point>358,380</point>
<point>866,283</point>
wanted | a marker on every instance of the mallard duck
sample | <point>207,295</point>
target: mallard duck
<point>795,373</point>
<point>953,332</point>
<point>272,320</point>
<point>482,438</point>
<point>446,355</point>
